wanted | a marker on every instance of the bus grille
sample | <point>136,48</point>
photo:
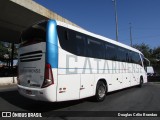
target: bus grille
<point>31,56</point>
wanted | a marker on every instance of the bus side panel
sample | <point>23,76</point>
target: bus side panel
<point>135,73</point>
<point>68,87</point>
<point>86,88</point>
<point>53,92</point>
<point>68,80</point>
<point>126,80</point>
<point>88,71</point>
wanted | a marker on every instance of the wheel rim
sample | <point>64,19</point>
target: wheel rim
<point>101,91</point>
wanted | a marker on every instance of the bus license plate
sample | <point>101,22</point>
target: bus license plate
<point>29,92</point>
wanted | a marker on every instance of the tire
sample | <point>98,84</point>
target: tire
<point>100,91</point>
<point>141,82</point>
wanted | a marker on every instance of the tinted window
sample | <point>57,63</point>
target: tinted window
<point>111,52</point>
<point>65,38</point>
<point>83,45</point>
<point>34,34</point>
<point>71,41</point>
<point>95,48</point>
<point>135,58</point>
<point>121,54</point>
<point>80,43</point>
<point>145,62</point>
<point>128,56</point>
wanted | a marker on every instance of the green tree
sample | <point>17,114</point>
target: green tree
<point>156,61</point>
<point>156,53</point>
<point>3,50</point>
<point>145,49</point>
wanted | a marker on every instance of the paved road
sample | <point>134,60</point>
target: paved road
<point>146,98</point>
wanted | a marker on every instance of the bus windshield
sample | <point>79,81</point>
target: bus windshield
<point>34,34</point>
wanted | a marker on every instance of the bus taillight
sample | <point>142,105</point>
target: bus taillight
<point>49,80</point>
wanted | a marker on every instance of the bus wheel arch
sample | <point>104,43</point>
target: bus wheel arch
<point>101,90</point>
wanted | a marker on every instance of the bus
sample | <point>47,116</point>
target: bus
<point>61,62</point>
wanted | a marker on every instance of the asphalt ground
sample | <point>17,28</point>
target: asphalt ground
<point>117,105</point>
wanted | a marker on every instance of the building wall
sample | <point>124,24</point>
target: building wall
<point>37,8</point>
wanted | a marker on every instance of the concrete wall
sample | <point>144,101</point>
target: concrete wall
<point>8,80</point>
<point>37,8</point>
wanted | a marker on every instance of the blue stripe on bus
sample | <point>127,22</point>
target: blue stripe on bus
<point>52,44</point>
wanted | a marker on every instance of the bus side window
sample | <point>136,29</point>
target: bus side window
<point>80,43</point>
<point>66,35</point>
<point>121,56</point>
<point>140,61</point>
<point>95,48</point>
<point>127,56</point>
<point>111,52</point>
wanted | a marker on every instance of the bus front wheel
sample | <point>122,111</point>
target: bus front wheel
<point>100,91</point>
<point>141,82</point>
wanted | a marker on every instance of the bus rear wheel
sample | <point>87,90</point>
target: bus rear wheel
<point>100,91</point>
